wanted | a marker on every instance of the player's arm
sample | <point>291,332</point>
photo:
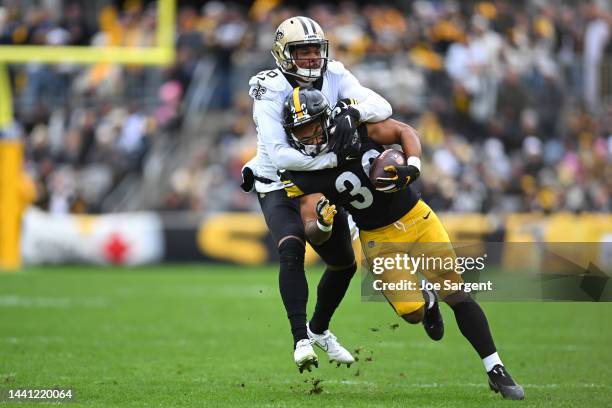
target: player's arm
<point>371,106</point>
<point>390,132</point>
<point>267,117</point>
<point>318,217</point>
<point>365,106</point>
<point>393,131</point>
<point>317,213</point>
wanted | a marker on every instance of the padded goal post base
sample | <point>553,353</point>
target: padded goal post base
<point>11,203</point>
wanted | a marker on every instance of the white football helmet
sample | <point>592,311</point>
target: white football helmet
<point>293,33</point>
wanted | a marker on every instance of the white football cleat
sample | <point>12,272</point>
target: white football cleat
<point>304,355</point>
<point>329,343</point>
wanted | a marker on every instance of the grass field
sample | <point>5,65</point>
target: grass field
<point>217,336</point>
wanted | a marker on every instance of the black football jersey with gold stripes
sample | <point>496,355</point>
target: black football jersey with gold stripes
<point>349,186</point>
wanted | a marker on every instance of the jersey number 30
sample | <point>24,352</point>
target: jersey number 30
<point>349,181</point>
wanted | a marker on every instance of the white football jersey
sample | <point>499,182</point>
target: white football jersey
<point>269,90</point>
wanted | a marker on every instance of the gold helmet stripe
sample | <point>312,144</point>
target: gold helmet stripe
<point>296,102</point>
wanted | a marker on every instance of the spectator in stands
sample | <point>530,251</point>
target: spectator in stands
<point>506,95</point>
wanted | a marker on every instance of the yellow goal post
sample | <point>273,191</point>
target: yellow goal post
<point>11,151</point>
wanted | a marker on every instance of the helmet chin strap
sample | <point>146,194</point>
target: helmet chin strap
<point>304,79</point>
<point>311,150</point>
<point>314,150</point>
<point>307,75</point>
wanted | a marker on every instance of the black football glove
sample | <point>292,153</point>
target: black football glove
<point>345,120</point>
<point>402,177</point>
<point>348,148</point>
<point>248,180</point>
<point>342,106</point>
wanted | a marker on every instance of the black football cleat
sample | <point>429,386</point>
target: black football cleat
<point>432,319</point>
<point>501,381</point>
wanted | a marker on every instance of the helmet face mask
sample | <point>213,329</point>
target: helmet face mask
<point>310,139</point>
<point>297,63</point>
<point>295,33</point>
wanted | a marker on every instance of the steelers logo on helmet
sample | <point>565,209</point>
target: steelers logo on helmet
<point>300,48</point>
<point>306,119</point>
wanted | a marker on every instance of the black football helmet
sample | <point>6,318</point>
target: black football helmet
<point>304,106</point>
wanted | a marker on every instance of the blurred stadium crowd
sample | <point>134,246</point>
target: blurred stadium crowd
<point>513,100</point>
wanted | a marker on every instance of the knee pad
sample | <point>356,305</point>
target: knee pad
<point>411,311</point>
<point>415,316</point>
<point>291,252</point>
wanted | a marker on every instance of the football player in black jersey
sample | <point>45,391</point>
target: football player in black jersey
<point>391,218</point>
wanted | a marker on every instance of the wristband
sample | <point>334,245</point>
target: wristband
<point>414,161</point>
<point>324,228</point>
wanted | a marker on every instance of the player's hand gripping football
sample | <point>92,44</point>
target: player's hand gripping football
<point>345,120</point>
<point>325,213</point>
<point>400,178</point>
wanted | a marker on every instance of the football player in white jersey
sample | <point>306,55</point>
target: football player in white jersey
<point>301,53</point>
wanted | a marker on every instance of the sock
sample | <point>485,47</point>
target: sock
<point>293,286</point>
<point>491,361</point>
<point>473,325</point>
<point>330,292</point>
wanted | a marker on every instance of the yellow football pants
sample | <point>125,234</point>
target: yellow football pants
<point>420,234</point>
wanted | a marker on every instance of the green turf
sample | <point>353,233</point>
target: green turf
<point>217,336</point>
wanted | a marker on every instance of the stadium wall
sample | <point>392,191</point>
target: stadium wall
<point>242,238</point>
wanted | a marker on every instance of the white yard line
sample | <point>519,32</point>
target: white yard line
<point>52,302</point>
<point>484,385</point>
<point>473,385</point>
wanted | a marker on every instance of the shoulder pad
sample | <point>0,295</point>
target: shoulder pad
<point>267,83</point>
<point>336,67</point>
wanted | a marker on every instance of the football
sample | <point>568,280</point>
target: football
<point>390,157</point>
